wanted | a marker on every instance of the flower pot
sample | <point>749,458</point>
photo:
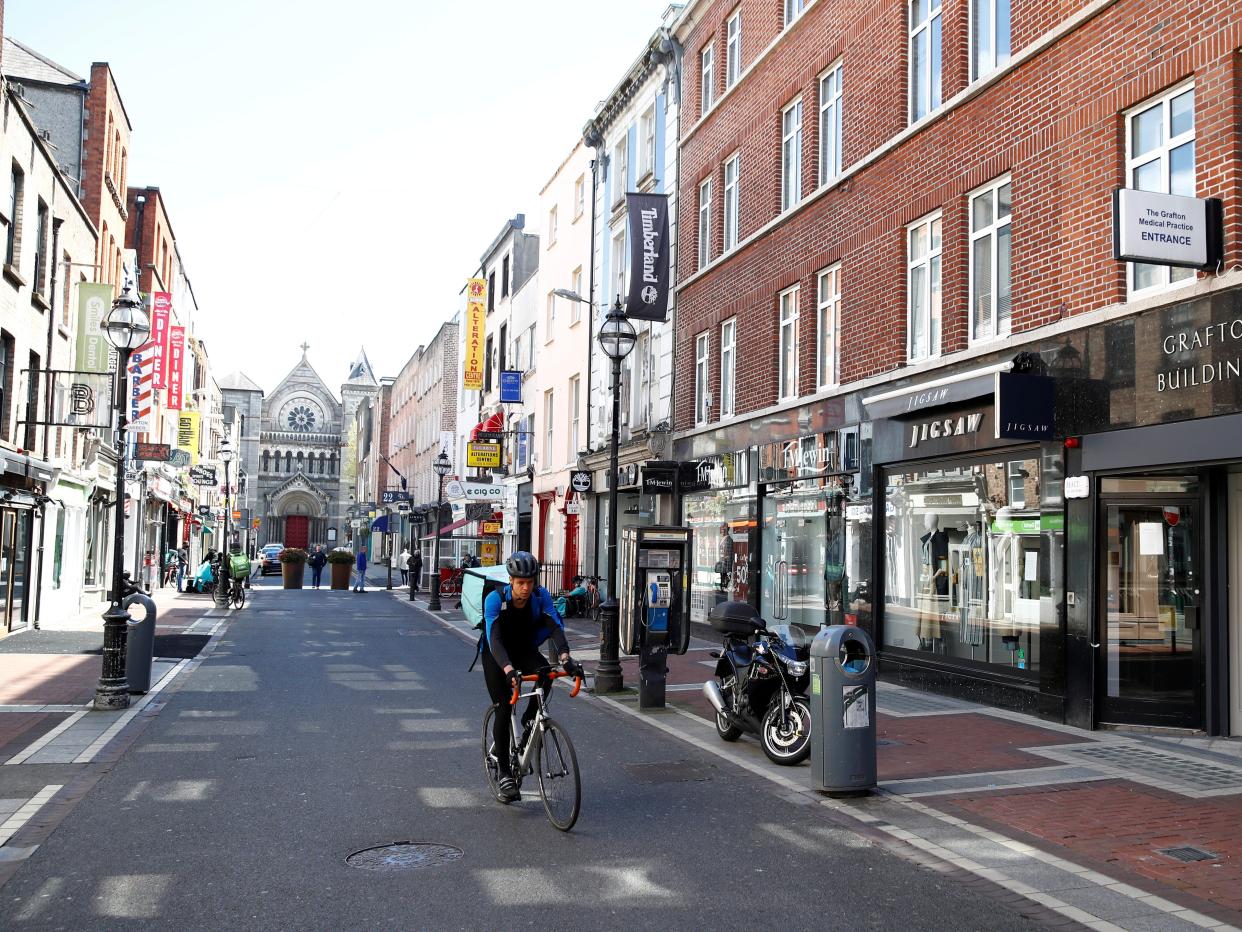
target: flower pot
<point>340,575</point>
<point>292,574</point>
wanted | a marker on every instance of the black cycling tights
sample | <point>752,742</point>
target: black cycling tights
<point>500,693</point>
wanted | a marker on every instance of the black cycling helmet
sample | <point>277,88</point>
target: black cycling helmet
<point>522,565</point>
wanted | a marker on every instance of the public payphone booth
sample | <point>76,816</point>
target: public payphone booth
<point>654,595</point>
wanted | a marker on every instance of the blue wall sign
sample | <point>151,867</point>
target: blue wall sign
<point>511,387</point>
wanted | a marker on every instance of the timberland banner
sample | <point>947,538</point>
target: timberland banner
<point>649,284</point>
<point>476,312</point>
<point>93,349</point>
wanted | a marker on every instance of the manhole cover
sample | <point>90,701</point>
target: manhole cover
<point>674,771</point>
<point>404,856</point>
<point>1187,854</point>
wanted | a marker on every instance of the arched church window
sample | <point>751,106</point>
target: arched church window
<point>267,460</point>
<point>289,461</point>
<point>301,461</point>
<point>276,463</point>
<point>332,463</point>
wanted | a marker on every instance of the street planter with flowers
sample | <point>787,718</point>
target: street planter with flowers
<point>293,566</point>
<point>342,563</point>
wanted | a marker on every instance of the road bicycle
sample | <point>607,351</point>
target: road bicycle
<point>545,749</point>
<point>237,592</point>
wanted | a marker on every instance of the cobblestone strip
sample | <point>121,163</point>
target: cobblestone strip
<point>26,753</point>
<point>25,812</point>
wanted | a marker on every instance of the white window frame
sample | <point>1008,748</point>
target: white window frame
<point>933,77</point>
<point>552,227</point>
<point>707,78</point>
<point>830,124</point>
<point>575,307</point>
<point>579,196</point>
<point>982,64</point>
<point>728,367</point>
<point>702,377</point>
<point>575,402</point>
<point>731,200</point>
<point>794,9</point>
<point>705,223</point>
<point>1166,277</point>
<point>647,143</point>
<point>733,48</point>
<point>620,168</point>
<point>828,326</point>
<point>787,343</point>
<point>990,232</point>
<point>791,155</point>
<point>551,321</point>
<point>549,424</point>
<point>931,291</point>
<point>620,258</point>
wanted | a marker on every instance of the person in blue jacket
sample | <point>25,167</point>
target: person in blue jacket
<point>517,621</point>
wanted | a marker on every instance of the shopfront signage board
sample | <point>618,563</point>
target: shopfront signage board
<point>490,527</point>
<point>510,387</point>
<point>392,496</point>
<point>1166,229</point>
<point>483,491</point>
<point>152,452</point>
<point>1024,406</point>
<point>454,489</point>
<point>483,455</point>
<point>580,480</point>
<point>1077,486</point>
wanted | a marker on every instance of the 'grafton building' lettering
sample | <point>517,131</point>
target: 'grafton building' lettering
<point>1205,374</point>
<point>1182,343</point>
<point>947,427</point>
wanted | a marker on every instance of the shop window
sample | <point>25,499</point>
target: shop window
<point>1160,157</point>
<point>991,304</point>
<point>787,375</point>
<point>923,288</point>
<point>969,555</point>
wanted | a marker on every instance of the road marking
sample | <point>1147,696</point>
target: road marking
<point>41,743</point>
<point>13,823</point>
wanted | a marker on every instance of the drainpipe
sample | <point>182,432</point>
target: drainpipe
<point>593,138</point>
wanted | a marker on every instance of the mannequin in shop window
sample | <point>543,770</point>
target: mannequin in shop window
<point>935,581</point>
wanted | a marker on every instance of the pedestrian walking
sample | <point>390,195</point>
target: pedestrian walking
<point>362,569</point>
<point>317,561</point>
<point>403,564</point>
<point>416,570</point>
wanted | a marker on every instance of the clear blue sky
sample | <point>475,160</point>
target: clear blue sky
<point>334,170</point>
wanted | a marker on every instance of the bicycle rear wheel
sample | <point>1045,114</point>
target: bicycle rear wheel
<point>559,783</point>
<point>239,595</point>
<point>491,765</point>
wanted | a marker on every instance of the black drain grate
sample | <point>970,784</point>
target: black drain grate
<point>1188,854</point>
<point>403,856</point>
<point>673,771</point>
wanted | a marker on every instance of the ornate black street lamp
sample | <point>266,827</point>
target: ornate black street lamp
<point>126,328</point>
<point>442,467</point>
<point>617,337</point>
<point>225,455</point>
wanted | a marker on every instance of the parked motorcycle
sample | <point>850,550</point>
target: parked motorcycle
<point>761,681</point>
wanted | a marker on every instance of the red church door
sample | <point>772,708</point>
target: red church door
<point>297,531</point>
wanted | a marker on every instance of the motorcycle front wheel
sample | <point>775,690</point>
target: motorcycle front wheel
<point>787,743</point>
<point>724,728</point>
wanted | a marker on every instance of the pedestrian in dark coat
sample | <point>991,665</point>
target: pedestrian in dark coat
<point>317,561</point>
<point>362,569</point>
<point>416,569</point>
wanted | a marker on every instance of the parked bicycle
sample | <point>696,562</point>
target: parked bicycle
<point>545,749</point>
<point>237,592</point>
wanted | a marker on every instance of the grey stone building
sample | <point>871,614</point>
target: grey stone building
<point>56,99</point>
<point>298,459</point>
<point>242,400</point>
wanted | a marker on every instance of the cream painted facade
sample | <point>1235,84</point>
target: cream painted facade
<point>557,390</point>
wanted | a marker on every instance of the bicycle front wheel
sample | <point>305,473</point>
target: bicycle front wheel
<point>559,783</point>
<point>491,764</point>
<point>239,596</point>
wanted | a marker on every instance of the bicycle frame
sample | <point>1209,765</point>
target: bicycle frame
<point>540,715</point>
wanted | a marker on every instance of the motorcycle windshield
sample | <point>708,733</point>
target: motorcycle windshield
<point>792,635</point>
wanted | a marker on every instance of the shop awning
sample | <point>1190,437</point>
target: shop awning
<point>912,399</point>
<point>380,524</point>
<point>450,528</point>
<point>493,424</point>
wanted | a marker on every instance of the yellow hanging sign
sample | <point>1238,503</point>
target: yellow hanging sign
<point>476,314</point>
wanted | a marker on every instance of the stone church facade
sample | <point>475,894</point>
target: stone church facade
<point>302,458</point>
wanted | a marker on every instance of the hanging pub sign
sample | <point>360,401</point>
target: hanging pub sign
<point>80,399</point>
<point>649,246</point>
<point>203,475</point>
<point>510,387</point>
<point>476,312</point>
<point>1167,229</point>
<point>483,455</point>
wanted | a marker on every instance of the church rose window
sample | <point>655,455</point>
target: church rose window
<point>301,418</point>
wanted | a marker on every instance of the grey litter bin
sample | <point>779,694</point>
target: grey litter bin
<point>139,644</point>
<point>843,710</point>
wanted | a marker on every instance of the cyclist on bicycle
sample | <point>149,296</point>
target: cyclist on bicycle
<point>517,621</point>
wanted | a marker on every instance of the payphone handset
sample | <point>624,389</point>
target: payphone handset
<point>659,598</point>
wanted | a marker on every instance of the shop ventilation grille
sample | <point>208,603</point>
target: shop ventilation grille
<point>1188,854</point>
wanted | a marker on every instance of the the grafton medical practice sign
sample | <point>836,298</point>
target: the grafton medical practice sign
<point>1166,229</point>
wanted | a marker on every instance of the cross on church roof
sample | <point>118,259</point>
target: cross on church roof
<point>305,347</point>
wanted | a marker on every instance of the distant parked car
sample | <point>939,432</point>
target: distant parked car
<point>270,555</point>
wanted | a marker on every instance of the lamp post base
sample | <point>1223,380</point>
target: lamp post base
<point>221,593</point>
<point>433,603</point>
<point>112,693</point>
<point>608,676</point>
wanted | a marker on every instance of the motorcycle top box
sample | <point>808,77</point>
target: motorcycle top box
<point>737,618</point>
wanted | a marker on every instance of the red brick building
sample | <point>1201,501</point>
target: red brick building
<point>884,205</point>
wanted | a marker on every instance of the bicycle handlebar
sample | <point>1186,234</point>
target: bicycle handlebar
<point>551,675</point>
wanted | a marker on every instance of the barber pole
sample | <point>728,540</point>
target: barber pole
<point>141,388</point>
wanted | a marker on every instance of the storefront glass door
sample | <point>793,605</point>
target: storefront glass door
<point>1235,603</point>
<point>1152,615</point>
<point>803,557</point>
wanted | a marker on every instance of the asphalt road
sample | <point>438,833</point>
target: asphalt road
<point>324,723</point>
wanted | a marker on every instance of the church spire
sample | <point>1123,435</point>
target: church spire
<point>360,371</point>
